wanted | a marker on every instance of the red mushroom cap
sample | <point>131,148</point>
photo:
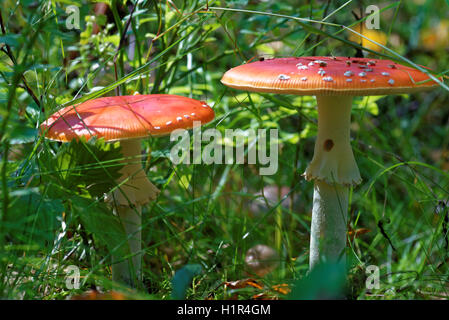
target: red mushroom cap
<point>327,76</point>
<point>126,117</point>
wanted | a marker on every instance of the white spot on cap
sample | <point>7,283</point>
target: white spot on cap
<point>321,63</point>
<point>362,80</point>
<point>311,64</point>
<point>321,72</point>
<point>372,80</point>
<point>157,128</point>
<point>303,67</point>
<point>192,114</point>
<point>391,81</point>
<point>348,73</point>
<point>304,79</point>
<point>204,105</point>
<point>328,79</point>
<point>179,118</point>
<point>186,116</point>
<point>168,123</point>
<point>385,74</point>
<point>283,77</point>
<point>362,74</point>
<point>348,80</point>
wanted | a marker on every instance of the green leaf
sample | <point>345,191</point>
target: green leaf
<point>22,133</point>
<point>182,280</point>
<point>86,167</point>
<point>97,219</point>
<point>237,3</point>
<point>368,104</point>
<point>11,40</point>
<point>31,218</point>
<point>325,281</point>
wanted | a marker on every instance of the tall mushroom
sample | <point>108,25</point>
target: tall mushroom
<point>128,119</point>
<point>334,81</point>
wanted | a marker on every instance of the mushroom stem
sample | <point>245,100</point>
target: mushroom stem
<point>334,170</point>
<point>333,160</point>
<point>329,220</point>
<point>129,271</point>
<point>135,190</point>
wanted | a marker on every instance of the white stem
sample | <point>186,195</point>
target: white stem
<point>135,190</point>
<point>329,220</point>
<point>334,170</point>
<point>129,271</point>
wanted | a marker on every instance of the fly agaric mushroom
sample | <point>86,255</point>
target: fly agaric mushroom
<point>334,81</point>
<point>128,119</point>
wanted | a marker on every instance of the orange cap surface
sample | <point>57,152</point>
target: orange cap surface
<point>327,76</point>
<point>126,117</point>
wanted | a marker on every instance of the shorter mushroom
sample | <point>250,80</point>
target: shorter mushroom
<point>128,119</point>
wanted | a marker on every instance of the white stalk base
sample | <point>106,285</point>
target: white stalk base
<point>129,271</point>
<point>329,221</point>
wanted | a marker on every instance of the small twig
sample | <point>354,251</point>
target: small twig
<point>321,27</point>
<point>443,208</point>
<point>123,36</point>
<point>174,7</point>
<point>445,227</point>
<point>122,41</point>
<point>359,52</point>
<point>31,93</point>
<point>380,225</point>
<point>7,50</point>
